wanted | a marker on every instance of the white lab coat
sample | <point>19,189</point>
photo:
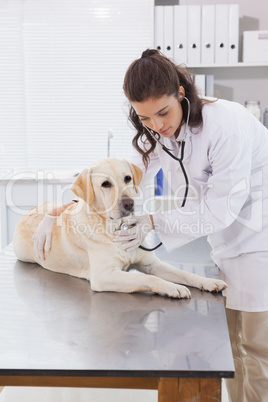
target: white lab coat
<point>227,164</point>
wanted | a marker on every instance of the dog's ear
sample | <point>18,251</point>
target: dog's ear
<point>83,188</point>
<point>137,175</point>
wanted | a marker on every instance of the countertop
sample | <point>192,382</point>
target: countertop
<point>28,175</point>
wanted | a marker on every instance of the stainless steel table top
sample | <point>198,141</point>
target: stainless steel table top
<point>54,324</point>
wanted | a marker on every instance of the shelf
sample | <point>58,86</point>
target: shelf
<point>236,65</point>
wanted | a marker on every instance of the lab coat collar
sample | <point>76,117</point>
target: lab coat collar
<point>191,131</point>
<point>172,142</point>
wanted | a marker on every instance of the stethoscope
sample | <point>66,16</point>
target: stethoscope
<point>124,225</point>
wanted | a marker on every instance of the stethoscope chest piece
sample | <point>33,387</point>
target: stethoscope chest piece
<point>124,226</point>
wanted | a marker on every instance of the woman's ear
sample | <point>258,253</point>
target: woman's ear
<point>181,93</point>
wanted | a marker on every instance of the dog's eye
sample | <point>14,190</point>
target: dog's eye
<point>127,179</point>
<point>106,184</point>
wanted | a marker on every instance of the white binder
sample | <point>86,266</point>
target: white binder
<point>180,34</point>
<point>233,33</point>
<point>159,28</point>
<point>210,85</point>
<point>200,83</point>
<point>168,32</point>
<point>207,34</point>
<point>194,35</point>
<point>221,33</point>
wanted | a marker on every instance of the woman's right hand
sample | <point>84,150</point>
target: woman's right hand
<point>42,236</point>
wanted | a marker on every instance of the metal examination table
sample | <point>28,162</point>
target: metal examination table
<point>54,331</point>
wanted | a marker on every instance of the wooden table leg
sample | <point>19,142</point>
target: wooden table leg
<point>199,390</point>
<point>189,389</point>
<point>210,389</point>
<point>168,390</point>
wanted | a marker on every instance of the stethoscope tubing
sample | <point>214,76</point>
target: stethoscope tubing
<point>186,185</point>
<point>180,160</point>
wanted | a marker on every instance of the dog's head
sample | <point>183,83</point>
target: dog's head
<point>108,186</point>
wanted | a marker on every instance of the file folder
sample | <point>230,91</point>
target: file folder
<point>207,34</point>
<point>194,35</point>
<point>180,34</point>
<point>233,33</point>
<point>168,32</point>
<point>221,33</point>
<point>159,28</point>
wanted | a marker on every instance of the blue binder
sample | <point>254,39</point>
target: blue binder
<point>159,183</point>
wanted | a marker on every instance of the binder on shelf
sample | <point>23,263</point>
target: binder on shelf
<point>200,83</point>
<point>207,34</point>
<point>168,32</point>
<point>233,33</point>
<point>194,34</point>
<point>209,85</point>
<point>204,84</point>
<point>159,183</point>
<point>221,33</point>
<point>159,28</point>
<point>180,34</point>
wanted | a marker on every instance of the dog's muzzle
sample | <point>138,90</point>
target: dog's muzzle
<point>127,205</point>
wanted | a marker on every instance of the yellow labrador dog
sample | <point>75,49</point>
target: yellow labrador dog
<point>82,238</point>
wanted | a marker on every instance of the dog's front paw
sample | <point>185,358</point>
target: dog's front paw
<point>213,285</point>
<point>176,291</point>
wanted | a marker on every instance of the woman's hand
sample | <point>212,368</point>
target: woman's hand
<point>42,236</point>
<point>133,237</point>
<point>43,232</point>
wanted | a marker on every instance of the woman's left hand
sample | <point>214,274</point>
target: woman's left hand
<point>133,237</point>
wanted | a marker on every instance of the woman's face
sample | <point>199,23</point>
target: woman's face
<point>163,115</point>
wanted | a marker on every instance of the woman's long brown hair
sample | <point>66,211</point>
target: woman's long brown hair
<point>153,76</point>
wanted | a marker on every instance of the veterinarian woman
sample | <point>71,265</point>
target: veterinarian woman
<point>224,154</point>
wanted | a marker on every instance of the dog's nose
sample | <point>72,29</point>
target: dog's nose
<point>127,204</point>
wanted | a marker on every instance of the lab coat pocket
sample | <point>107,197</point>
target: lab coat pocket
<point>247,279</point>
